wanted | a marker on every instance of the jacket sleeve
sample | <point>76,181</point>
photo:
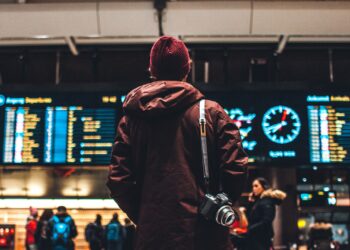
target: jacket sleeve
<point>121,181</point>
<point>233,159</point>
<point>74,231</point>
<point>268,214</point>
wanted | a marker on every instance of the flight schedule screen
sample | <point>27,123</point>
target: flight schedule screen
<point>291,128</point>
<point>58,129</point>
<point>329,129</point>
<point>79,128</point>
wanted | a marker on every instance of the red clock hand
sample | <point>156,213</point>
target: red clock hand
<point>284,115</point>
<point>283,118</point>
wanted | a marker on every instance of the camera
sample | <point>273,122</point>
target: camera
<point>219,208</point>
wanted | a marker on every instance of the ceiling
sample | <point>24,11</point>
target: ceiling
<point>94,1</point>
<point>91,1</point>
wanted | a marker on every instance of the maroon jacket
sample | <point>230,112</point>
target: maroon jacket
<point>156,172</point>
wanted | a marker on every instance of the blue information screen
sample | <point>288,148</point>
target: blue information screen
<point>329,129</point>
<point>58,129</point>
<point>273,126</point>
<point>79,129</point>
<point>291,128</point>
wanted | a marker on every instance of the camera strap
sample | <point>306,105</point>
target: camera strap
<point>203,133</point>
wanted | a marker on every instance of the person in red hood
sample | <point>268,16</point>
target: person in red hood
<point>156,171</point>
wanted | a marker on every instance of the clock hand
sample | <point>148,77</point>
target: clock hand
<point>283,117</point>
<point>274,127</point>
<point>284,123</point>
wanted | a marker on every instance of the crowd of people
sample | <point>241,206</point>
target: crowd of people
<point>113,236</point>
<point>57,231</point>
<point>51,231</point>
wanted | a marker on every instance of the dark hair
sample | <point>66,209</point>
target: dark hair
<point>62,209</point>
<point>98,219</point>
<point>115,217</point>
<point>263,182</point>
<point>46,215</point>
<point>127,220</point>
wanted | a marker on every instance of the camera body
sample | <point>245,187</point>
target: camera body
<point>218,208</point>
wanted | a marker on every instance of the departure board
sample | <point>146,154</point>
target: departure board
<point>329,129</point>
<point>273,128</point>
<point>59,129</point>
<point>79,128</point>
<point>291,128</point>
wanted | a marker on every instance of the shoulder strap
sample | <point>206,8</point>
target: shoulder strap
<point>67,219</point>
<point>55,219</point>
<point>203,133</point>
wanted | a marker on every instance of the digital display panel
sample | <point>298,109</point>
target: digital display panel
<point>329,128</point>
<point>291,128</point>
<point>273,128</point>
<point>58,129</point>
<point>79,128</point>
<point>317,198</point>
<point>7,236</point>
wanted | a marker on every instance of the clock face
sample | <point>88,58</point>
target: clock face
<point>281,124</point>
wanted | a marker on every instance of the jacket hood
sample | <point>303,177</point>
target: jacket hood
<point>277,195</point>
<point>160,98</point>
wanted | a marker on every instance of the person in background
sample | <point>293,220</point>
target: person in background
<point>114,234</point>
<point>62,230</point>
<point>42,241</point>
<point>261,213</point>
<point>129,229</point>
<point>321,236</point>
<point>31,228</point>
<point>94,233</point>
<point>239,229</point>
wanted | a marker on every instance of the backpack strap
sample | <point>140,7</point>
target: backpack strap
<point>67,219</point>
<point>204,148</point>
<point>55,219</point>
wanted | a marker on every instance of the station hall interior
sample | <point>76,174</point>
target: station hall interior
<point>66,67</point>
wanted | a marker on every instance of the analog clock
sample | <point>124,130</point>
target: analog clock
<point>281,124</point>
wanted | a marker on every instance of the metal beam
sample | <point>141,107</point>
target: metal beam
<point>282,44</point>
<point>72,45</point>
<point>73,41</point>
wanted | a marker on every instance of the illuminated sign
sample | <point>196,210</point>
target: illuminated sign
<point>329,133</point>
<point>245,124</point>
<point>277,128</point>
<point>58,129</point>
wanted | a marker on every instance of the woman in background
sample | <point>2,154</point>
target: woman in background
<point>261,213</point>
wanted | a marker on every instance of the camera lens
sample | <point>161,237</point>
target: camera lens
<point>225,216</point>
